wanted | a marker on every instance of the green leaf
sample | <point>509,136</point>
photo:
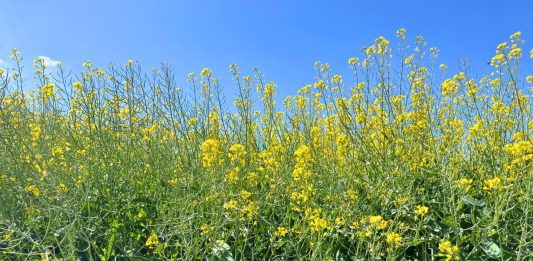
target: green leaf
<point>470,201</point>
<point>414,242</point>
<point>491,249</point>
<point>222,251</point>
<point>338,256</point>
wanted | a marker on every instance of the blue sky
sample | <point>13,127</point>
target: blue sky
<point>282,38</point>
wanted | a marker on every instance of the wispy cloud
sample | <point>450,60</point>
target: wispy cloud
<point>49,62</point>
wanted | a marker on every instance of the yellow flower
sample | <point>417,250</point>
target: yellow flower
<point>449,87</point>
<point>35,132</point>
<point>63,187</point>
<point>174,181</point>
<point>496,82</point>
<point>476,129</point>
<point>515,35</point>
<point>232,175</point>
<point>87,64</point>
<point>377,222</point>
<point>497,59</point>
<point>281,232</point>
<point>401,33</point>
<point>206,72</point>
<point>394,239</point>
<point>230,204</point>
<point>421,211</point>
<point>245,194</point>
<point>339,222</point>
<point>206,229</point>
<point>516,53</point>
<point>33,190</point>
<point>152,240</point>
<point>409,59</point>
<point>382,45</point>
<point>493,184</point>
<point>466,184</point>
<point>303,164</point>
<point>317,223</point>
<point>501,46</point>
<point>353,61</point>
<point>14,53</point>
<point>78,86</point>
<point>212,153</point>
<point>48,90</point>
<point>336,79</point>
<point>320,85</point>
<point>193,121</point>
<point>448,250</point>
<point>352,194</point>
<point>237,152</point>
<point>250,210</point>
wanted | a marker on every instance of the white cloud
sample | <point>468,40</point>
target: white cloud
<point>49,62</point>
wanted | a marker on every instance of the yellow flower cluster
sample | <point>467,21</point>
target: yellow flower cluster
<point>370,166</point>
<point>304,161</point>
<point>449,251</point>
<point>212,154</point>
<point>421,211</point>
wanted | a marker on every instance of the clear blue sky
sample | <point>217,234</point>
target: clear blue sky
<point>282,38</point>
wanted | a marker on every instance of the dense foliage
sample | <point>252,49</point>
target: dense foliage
<point>399,160</point>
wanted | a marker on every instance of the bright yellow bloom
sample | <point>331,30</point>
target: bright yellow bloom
<point>320,85</point>
<point>516,53</point>
<point>497,59</point>
<point>515,35</point>
<point>35,132</point>
<point>250,210</point>
<point>394,239</point>
<point>206,72</point>
<point>304,161</point>
<point>193,121</point>
<point>152,240</point>
<point>377,222</point>
<point>48,90</point>
<point>353,61</point>
<point>33,190</point>
<point>230,204</point>
<point>494,184</point>
<point>421,211</point>
<point>245,194</point>
<point>466,184</point>
<point>449,87</point>
<point>281,232</point>
<point>212,153</point>
<point>450,251</point>
<point>237,152</point>
<point>317,223</point>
